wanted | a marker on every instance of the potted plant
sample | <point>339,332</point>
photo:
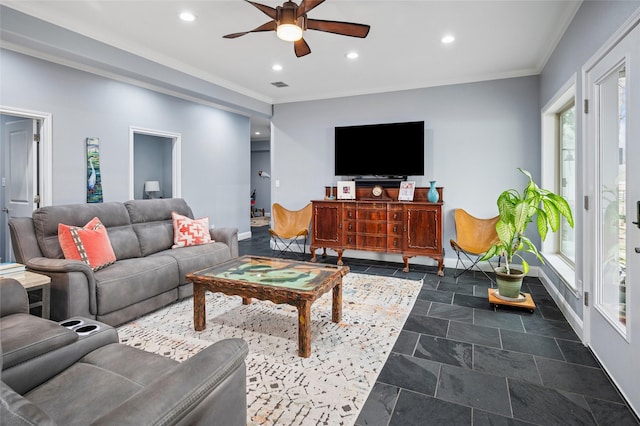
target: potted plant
<point>516,213</point>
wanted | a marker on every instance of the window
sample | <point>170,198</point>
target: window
<point>566,120</point>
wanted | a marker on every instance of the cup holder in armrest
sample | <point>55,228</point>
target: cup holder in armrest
<point>86,329</point>
<point>72,323</point>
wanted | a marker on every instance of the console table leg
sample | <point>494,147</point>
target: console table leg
<point>340,257</point>
<point>440,268</point>
<point>405,259</point>
<point>304,329</point>
<point>199,308</point>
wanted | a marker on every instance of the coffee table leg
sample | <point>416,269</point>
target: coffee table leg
<point>304,329</point>
<point>199,309</point>
<point>336,308</point>
<point>246,300</point>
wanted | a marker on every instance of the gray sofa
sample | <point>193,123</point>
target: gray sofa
<point>148,273</point>
<point>57,373</point>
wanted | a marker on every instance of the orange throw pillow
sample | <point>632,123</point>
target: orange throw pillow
<point>190,232</point>
<point>89,244</point>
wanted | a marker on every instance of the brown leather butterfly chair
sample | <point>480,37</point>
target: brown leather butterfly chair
<point>289,228</point>
<point>473,238</point>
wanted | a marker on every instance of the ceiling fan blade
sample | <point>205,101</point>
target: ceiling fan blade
<point>301,48</point>
<point>343,28</point>
<point>307,5</point>
<point>269,26</point>
<point>267,10</point>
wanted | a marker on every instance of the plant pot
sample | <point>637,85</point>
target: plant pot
<point>509,285</point>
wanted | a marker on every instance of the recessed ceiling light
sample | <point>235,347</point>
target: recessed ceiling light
<point>448,39</point>
<point>276,67</point>
<point>187,16</point>
<point>257,133</point>
<point>352,55</point>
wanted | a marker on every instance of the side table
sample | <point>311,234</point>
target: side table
<point>38,289</point>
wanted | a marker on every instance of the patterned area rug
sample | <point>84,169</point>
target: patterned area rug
<point>328,388</point>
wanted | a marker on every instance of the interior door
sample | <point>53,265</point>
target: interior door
<point>20,179</point>
<point>613,148</point>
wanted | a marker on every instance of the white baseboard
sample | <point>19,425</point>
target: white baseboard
<point>244,235</point>
<point>574,321</point>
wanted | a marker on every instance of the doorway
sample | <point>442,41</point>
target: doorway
<point>612,236</point>
<point>25,169</point>
<point>155,164</point>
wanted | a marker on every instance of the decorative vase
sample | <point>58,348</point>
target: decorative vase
<point>509,285</point>
<point>433,195</point>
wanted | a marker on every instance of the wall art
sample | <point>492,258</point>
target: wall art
<point>94,176</point>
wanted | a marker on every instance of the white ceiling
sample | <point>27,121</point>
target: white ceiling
<point>494,39</point>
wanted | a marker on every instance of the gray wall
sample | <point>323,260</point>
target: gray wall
<point>594,23</point>
<point>476,135</point>
<point>215,143</point>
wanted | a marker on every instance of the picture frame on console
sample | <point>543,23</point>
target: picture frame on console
<point>346,190</point>
<point>407,189</point>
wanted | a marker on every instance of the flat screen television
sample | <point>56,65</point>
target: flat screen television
<point>389,150</point>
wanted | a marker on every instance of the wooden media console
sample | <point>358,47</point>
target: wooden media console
<point>380,224</point>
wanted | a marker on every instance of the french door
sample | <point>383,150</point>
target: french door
<point>612,318</point>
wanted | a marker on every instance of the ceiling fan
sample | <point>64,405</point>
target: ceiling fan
<point>290,20</point>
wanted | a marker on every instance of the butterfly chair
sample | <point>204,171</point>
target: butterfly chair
<point>473,238</point>
<point>289,228</point>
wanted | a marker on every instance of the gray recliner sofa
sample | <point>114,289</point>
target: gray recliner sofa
<point>148,273</point>
<point>76,373</point>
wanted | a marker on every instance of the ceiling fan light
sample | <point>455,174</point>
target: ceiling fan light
<point>289,32</point>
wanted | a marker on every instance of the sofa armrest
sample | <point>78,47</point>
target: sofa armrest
<point>45,264</point>
<point>207,389</point>
<point>51,267</point>
<point>13,297</point>
<point>229,236</point>
<point>17,410</point>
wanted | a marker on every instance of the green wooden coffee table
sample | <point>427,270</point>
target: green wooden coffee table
<point>295,283</point>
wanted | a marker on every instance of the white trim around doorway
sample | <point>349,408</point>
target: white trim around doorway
<point>176,158</point>
<point>45,164</point>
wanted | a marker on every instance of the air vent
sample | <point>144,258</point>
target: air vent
<point>280,84</point>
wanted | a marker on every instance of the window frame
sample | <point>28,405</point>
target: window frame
<point>550,171</point>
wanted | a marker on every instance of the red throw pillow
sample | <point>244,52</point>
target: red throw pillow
<point>190,232</point>
<point>89,243</point>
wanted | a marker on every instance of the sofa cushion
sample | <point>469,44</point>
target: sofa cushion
<point>130,281</point>
<point>189,232</point>
<point>113,215</point>
<point>90,244</point>
<point>151,221</point>
<point>24,337</point>
<point>196,258</point>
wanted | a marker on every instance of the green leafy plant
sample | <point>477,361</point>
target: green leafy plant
<point>517,211</point>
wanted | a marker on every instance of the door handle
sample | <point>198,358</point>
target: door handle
<point>637,249</point>
<point>637,221</point>
<point>5,210</point>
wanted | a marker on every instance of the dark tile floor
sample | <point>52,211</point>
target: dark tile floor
<point>457,362</point>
